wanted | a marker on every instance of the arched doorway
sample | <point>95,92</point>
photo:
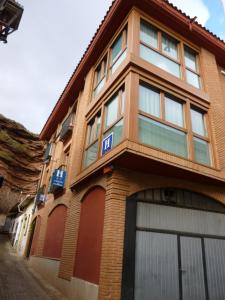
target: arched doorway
<point>174,246</point>
<point>55,232</point>
<point>34,235</point>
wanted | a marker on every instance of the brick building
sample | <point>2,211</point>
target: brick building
<point>135,165</point>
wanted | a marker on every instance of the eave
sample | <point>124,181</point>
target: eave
<point>161,10</point>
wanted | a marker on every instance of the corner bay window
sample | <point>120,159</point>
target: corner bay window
<point>162,125</point>
<point>109,64</point>
<point>112,124</point>
<point>164,51</point>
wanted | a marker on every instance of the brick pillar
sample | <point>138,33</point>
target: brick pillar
<point>70,239</point>
<point>113,237</point>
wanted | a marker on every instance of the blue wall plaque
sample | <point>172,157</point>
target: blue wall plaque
<point>107,143</point>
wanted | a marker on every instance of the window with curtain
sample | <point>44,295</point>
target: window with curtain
<point>114,110</point>
<point>118,50</point>
<point>163,51</point>
<point>159,49</point>
<point>191,66</point>
<point>156,111</point>
<point>200,139</point>
<point>92,140</point>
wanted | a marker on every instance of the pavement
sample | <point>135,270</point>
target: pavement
<point>18,281</point>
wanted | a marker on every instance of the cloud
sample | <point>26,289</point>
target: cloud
<point>223,2</point>
<point>194,8</point>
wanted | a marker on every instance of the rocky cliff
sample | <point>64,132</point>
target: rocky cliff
<point>21,155</point>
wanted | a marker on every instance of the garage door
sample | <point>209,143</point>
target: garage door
<point>179,253</point>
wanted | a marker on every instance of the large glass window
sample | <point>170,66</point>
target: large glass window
<point>159,49</point>
<point>114,110</point>
<point>200,139</point>
<point>155,104</point>
<point>92,141</point>
<point>163,51</point>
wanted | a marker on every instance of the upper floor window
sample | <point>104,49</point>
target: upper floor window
<point>118,50</point>
<point>200,139</point>
<point>192,68</point>
<point>115,55</point>
<point>163,51</point>
<point>159,49</point>
<point>162,125</point>
<point>100,76</point>
<point>114,110</point>
<point>161,121</point>
<point>92,140</point>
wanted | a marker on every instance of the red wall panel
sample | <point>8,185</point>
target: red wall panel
<point>55,232</point>
<point>88,255</point>
<point>35,236</point>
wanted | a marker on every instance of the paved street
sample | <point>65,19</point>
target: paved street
<point>17,281</point>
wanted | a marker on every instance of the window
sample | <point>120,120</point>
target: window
<point>162,128</point>
<point>200,139</point>
<point>92,142</point>
<point>192,73</point>
<point>114,110</point>
<point>159,49</point>
<point>118,50</point>
<point>163,51</point>
<point>162,125</point>
<point>100,76</point>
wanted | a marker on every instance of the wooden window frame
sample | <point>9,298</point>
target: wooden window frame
<point>120,114</point>
<point>187,105</point>
<point>180,51</point>
<point>123,32</point>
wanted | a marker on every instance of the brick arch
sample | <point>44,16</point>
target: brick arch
<point>34,243</point>
<point>89,244</point>
<point>55,232</point>
<point>208,191</point>
<point>55,206</point>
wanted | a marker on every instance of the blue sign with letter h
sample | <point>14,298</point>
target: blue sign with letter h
<point>107,143</point>
<point>58,178</point>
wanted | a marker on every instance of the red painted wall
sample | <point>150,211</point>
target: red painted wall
<point>35,236</point>
<point>89,245</point>
<point>55,232</point>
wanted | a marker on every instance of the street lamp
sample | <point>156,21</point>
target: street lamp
<point>10,16</point>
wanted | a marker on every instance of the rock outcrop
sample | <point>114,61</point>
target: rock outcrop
<point>21,155</point>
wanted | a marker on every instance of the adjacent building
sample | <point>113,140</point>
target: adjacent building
<point>131,198</point>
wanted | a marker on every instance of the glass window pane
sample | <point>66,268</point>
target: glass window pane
<point>190,58</point>
<point>201,150</point>
<point>161,136</point>
<point>197,120</point>
<point>160,61</point>
<point>91,154</point>
<point>112,111</point>
<point>149,34</point>
<point>193,79</point>
<point>117,131</point>
<point>149,100</point>
<point>169,46</point>
<point>174,112</point>
<point>123,101</point>
<point>98,126</point>
<point>100,86</point>
<point>90,133</point>
<point>117,47</point>
<point>119,61</point>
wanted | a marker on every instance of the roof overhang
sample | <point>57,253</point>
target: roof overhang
<point>161,10</point>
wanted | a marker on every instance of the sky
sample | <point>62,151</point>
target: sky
<point>40,57</point>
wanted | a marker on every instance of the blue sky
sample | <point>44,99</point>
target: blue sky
<point>40,57</point>
<point>210,13</point>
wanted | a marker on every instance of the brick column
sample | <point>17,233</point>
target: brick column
<point>70,239</point>
<point>113,237</point>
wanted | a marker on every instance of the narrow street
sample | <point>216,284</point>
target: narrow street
<point>17,281</point>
